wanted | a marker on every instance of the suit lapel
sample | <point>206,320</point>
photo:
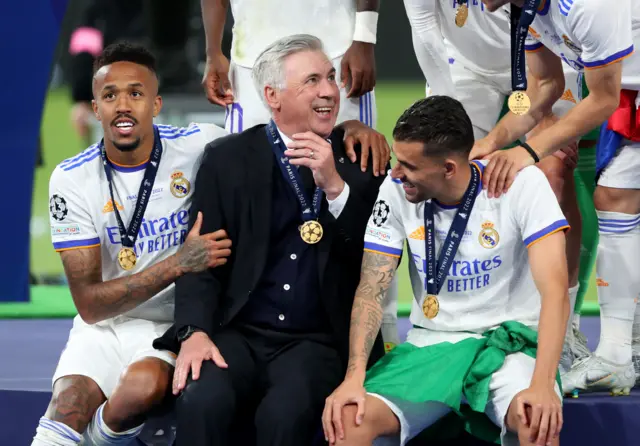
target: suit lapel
<point>326,219</point>
<point>260,162</point>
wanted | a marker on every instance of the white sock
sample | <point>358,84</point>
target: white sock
<point>635,340</point>
<point>99,434</point>
<point>54,433</point>
<point>573,295</point>
<point>618,283</point>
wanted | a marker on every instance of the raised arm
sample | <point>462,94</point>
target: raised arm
<point>97,300</point>
<point>545,86</point>
<point>216,76</point>
<point>428,45</point>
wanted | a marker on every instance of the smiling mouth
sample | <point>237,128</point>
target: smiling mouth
<point>323,111</point>
<point>124,127</point>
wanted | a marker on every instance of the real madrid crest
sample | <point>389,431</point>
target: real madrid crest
<point>179,186</point>
<point>488,236</point>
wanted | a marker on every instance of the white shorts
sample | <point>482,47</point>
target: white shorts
<point>248,110</point>
<point>103,351</point>
<point>513,377</point>
<point>623,171</point>
<point>483,97</point>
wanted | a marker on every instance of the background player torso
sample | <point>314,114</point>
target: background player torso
<point>164,226</point>
<point>553,28</point>
<point>482,44</point>
<point>258,23</point>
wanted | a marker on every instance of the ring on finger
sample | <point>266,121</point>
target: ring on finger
<point>311,154</point>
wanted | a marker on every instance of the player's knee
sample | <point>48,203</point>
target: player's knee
<point>209,394</point>
<point>142,386</point>
<point>74,401</point>
<point>355,434</point>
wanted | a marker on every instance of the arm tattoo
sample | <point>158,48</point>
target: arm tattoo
<point>97,300</point>
<point>367,5</point>
<point>366,317</point>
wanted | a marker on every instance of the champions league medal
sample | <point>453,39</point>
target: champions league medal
<point>462,13</point>
<point>437,269</point>
<point>127,255</point>
<point>127,258</point>
<point>431,306</point>
<point>311,230</point>
<point>519,103</point>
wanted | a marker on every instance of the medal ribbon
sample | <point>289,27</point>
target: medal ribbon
<point>129,236</point>
<point>438,270</point>
<point>521,19</point>
<point>292,176</point>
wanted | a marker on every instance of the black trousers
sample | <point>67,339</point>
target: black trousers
<point>276,383</point>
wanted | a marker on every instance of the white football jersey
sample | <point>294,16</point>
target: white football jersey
<point>489,281</point>
<point>589,34</point>
<point>258,23</point>
<point>483,43</point>
<point>82,212</point>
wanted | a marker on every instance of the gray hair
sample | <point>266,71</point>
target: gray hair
<point>268,69</point>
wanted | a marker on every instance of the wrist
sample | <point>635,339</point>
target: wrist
<point>366,27</point>
<point>356,372</point>
<point>532,153</point>
<point>333,190</point>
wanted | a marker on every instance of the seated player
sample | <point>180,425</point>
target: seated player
<point>465,52</point>
<point>119,216</point>
<point>579,33</point>
<point>490,282</point>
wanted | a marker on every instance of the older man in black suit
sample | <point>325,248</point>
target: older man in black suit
<point>269,330</point>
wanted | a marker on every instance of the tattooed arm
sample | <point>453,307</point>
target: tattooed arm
<point>97,300</point>
<point>366,317</point>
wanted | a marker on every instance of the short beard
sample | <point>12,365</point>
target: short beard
<point>128,147</point>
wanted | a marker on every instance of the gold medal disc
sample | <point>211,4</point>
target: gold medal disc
<point>461,15</point>
<point>311,232</point>
<point>127,258</point>
<point>430,306</point>
<point>519,103</point>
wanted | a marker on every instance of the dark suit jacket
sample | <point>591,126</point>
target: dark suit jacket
<point>233,191</point>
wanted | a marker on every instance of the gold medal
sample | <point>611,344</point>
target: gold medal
<point>127,258</point>
<point>519,103</point>
<point>461,15</point>
<point>311,232</point>
<point>430,306</point>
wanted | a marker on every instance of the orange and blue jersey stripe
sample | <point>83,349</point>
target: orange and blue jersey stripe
<point>559,225</point>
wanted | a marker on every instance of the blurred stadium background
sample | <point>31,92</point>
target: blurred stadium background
<point>399,84</point>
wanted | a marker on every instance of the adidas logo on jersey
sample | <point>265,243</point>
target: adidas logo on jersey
<point>109,207</point>
<point>568,96</point>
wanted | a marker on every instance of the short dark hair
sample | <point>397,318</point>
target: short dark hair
<point>125,52</point>
<point>440,123</point>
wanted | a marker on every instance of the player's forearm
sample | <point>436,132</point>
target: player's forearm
<point>512,127</point>
<point>99,301</point>
<point>366,315</point>
<point>429,47</point>
<point>590,113</point>
<point>214,15</point>
<point>554,314</point>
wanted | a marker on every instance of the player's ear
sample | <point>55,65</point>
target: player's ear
<point>157,105</point>
<point>450,168</point>
<point>272,96</point>
<point>94,106</point>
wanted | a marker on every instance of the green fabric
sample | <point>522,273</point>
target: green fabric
<point>446,372</point>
